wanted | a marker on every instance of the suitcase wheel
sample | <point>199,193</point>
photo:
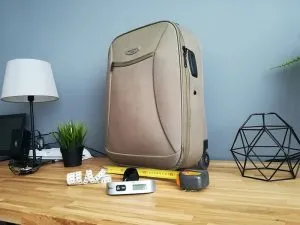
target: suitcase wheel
<point>204,161</point>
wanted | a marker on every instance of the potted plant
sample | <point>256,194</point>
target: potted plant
<point>70,137</point>
<point>289,62</point>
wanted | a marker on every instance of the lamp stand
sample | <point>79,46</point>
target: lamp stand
<point>13,165</point>
<point>31,99</point>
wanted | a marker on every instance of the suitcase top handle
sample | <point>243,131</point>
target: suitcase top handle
<point>192,61</point>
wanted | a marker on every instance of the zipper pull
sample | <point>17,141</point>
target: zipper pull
<point>184,56</point>
<point>112,66</point>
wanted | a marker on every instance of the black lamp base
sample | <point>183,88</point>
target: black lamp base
<point>31,164</point>
<point>18,167</point>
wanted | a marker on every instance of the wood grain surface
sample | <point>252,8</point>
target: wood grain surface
<point>44,198</point>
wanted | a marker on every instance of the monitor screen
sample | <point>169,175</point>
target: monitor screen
<point>8,123</point>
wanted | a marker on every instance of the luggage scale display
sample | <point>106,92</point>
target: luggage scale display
<point>130,187</point>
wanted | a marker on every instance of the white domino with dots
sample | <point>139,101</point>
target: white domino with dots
<point>74,178</point>
<point>89,174</point>
<point>100,174</point>
<point>105,179</point>
<point>71,178</point>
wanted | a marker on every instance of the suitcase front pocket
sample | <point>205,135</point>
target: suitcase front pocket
<point>131,62</point>
<point>134,126</point>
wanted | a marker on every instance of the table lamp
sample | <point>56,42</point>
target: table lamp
<point>29,80</point>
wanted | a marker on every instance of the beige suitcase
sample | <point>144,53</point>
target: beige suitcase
<point>155,104</point>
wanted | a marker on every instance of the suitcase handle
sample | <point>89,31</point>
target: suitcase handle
<point>193,63</point>
<point>187,53</point>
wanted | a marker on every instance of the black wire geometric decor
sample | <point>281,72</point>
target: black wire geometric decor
<point>266,148</point>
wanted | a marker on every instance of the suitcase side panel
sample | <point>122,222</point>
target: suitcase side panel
<point>197,132</point>
<point>108,90</point>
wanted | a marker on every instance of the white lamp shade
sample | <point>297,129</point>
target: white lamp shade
<point>28,77</point>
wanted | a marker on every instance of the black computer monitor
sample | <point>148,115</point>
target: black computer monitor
<point>9,124</point>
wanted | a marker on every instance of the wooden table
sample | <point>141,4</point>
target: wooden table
<point>44,198</point>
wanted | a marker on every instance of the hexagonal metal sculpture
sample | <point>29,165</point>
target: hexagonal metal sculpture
<point>266,148</point>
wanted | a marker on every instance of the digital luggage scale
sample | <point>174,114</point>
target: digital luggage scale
<point>130,187</point>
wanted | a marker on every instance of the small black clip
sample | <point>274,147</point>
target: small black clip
<point>131,174</point>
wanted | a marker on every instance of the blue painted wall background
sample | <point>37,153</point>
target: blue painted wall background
<point>241,41</point>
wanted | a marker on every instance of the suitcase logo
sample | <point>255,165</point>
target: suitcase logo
<point>132,51</point>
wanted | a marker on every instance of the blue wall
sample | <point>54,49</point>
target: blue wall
<point>241,41</point>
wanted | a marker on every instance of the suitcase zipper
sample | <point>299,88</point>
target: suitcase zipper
<point>184,146</point>
<point>184,56</point>
<point>131,62</point>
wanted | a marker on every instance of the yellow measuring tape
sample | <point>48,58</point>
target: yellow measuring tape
<point>145,172</point>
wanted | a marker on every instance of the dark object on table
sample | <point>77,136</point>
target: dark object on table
<point>32,165</point>
<point>12,132</point>
<point>266,148</point>
<point>131,174</point>
<point>193,180</point>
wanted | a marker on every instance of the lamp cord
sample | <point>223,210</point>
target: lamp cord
<point>94,150</point>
